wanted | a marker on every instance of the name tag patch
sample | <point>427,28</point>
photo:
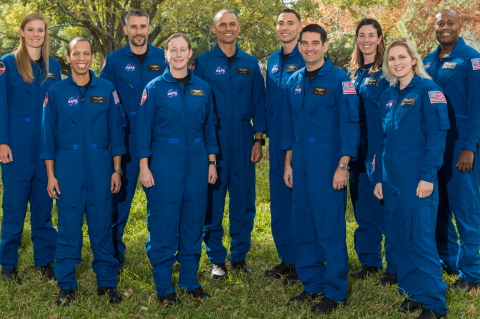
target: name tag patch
<point>154,67</point>
<point>319,91</point>
<point>291,68</point>
<point>449,65</point>
<point>194,92</point>
<point>244,71</point>
<point>50,75</point>
<point>408,102</point>
<point>98,100</point>
<point>372,81</point>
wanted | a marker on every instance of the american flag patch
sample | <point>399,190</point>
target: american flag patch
<point>115,96</point>
<point>348,88</point>
<point>144,97</point>
<point>45,102</point>
<point>437,97</point>
<point>476,64</point>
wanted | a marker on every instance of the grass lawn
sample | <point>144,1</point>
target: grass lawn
<point>242,296</point>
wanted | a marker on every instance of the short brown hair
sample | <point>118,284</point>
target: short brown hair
<point>178,35</point>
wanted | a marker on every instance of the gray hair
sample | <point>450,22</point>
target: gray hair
<point>220,13</point>
<point>137,13</point>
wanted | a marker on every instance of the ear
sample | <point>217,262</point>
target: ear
<point>125,29</point>
<point>21,32</point>
<point>414,61</point>
<point>239,27</point>
<point>93,56</point>
<point>190,54</point>
<point>213,29</point>
<point>380,39</point>
<point>325,47</point>
<point>149,29</point>
<point>67,57</point>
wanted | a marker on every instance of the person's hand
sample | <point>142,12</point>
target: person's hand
<point>212,174</point>
<point>340,179</point>
<point>268,152</point>
<point>465,161</point>
<point>116,183</point>
<point>146,177</point>
<point>256,153</point>
<point>424,189</point>
<point>378,192</point>
<point>5,154</point>
<point>373,163</point>
<point>288,176</point>
<point>52,187</point>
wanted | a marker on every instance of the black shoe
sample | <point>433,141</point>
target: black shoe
<point>170,300</point>
<point>463,285</point>
<point>47,271</point>
<point>451,272</point>
<point>388,278</point>
<point>242,266</point>
<point>65,297</point>
<point>428,314</point>
<point>199,293</point>
<point>112,292</point>
<point>11,275</point>
<point>408,305</point>
<point>291,279</point>
<point>363,272</point>
<point>304,296</point>
<point>279,270</point>
<point>218,271</point>
<point>324,306</point>
<point>121,268</point>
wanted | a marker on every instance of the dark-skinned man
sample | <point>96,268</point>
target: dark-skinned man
<point>281,65</point>
<point>321,135</point>
<point>238,97</point>
<point>455,67</point>
<point>130,69</point>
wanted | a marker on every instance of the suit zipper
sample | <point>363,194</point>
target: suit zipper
<point>127,82</point>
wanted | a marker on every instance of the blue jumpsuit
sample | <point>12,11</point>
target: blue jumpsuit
<point>238,97</point>
<point>459,77</point>
<point>129,78</point>
<point>413,127</point>
<point>278,73</point>
<point>25,179</point>
<point>177,132</point>
<point>320,126</point>
<point>82,131</point>
<point>369,214</point>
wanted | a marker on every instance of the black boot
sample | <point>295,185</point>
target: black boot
<point>408,305</point>
<point>47,271</point>
<point>291,279</point>
<point>199,293</point>
<point>463,285</point>
<point>363,272</point>
<point>112,293</point>
<point>65,297</point>
<point>428,314</point>
<point>324,306</point>
<point>242,266</point>
<point>304,296</point>
<point>171,299</point>
<point>218,271</point>
<point>387,279</point>
<point>279,270</point>
<point>11,275</point>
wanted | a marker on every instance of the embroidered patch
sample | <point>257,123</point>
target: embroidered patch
<point>426,66</point>
<point>172,94</point>
<point>130,68</point>
<point>348,88</point>
<point>449,65</point>
<point>194,92</point>
<point>220,71</point>
<point>244,71</point>
<point>50,75</point>
<point>475,64</point>
<point>154,67</point>
<point>3,68</point>
<point>298,90</point>
<point>115,97</point>
<point>72,101</point>
<point>389,104</point>
<point>98,100</point>
<point>437,97</point>
<point>408,102</point>
<point>193,66</point>
<point>45,102</point>
<point>319,91</point>
<point>144,97</point>
<point>291,68</point>
<point>104,63</point>
<point>275,69</point>
<point>372,81</point>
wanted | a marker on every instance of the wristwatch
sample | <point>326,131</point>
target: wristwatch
<point>212,163</point>
<point>120,172</point>
<point>260,140</point>
<point>343,166</point>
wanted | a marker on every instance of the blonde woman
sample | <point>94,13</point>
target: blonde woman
<point>25,76</point>
<point>413,123</point>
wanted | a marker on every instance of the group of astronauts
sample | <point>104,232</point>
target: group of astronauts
<point>404,133</point>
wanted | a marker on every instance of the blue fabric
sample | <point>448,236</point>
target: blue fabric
<point>238,96</point>
<point>318,210</point>
<point>129,78</point>
<point>25,179</point>
<point>280,194</point>
<point>175,123</point>
<point>410,149</point>
<point>369,212</point>
<point>461,86</point>
<point>70,118</point>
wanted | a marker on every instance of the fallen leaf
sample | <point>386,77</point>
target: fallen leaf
<point>219,309</point>
<point>388,308</point>
<point>473,291</point>
<point>472,309</point>
<point>144,308</point>
<point>127,294</point>
<point>200,300</point>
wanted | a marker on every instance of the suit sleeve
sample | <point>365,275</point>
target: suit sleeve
<point>437,124</point>
<point>107,73</point>
<point>268,105</point>
<point>260,120</point>
<point>146,116</point>
<point>210,136</point>
<point>49,128</point>
<point>473,126</point>
<point>379,143</point>
<point>349,122</point>
<point>4,90</point>
<point>197,69</point>
<point>288,136</point>
<point>117,126</point>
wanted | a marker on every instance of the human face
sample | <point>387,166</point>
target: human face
<point>312,49</point>
<point>288,27</point>
<point>137,30</point>
<point>400,62</point>
<point>368,40</point>
<point>34,33</point>
<point>178,54</point>
<point>226,28</point>
<point>80,57</point>
<point>447,28</point>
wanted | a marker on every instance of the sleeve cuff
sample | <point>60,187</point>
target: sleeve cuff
<point>379,182</point>
<point>426,177</point>
<point>259,128</point>
<point>349,151</point>
<point>4,140</point>
<point>470,147</point>
<point>212,150</point>
<point>118,151</point>
<point>144,153</point>
<point>287,146</point>
<point>48,156</point>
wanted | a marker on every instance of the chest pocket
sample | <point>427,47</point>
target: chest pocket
<point>197,103</point>
<point>371,87</point>
<point>243,78</point>
<point>405,105</point>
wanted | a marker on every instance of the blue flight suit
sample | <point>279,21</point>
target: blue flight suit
<point>129,78</point>
<point>320,126</point>
<point>459,77</point>
<point>25,179</point>
<point>278,73</point>
<point>238,97</point>
<point>413,127</point>
<point>82,130</point>
<point>369,213</point>
<point>178,133</point>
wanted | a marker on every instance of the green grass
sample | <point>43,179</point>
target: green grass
<point>242,296</point>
